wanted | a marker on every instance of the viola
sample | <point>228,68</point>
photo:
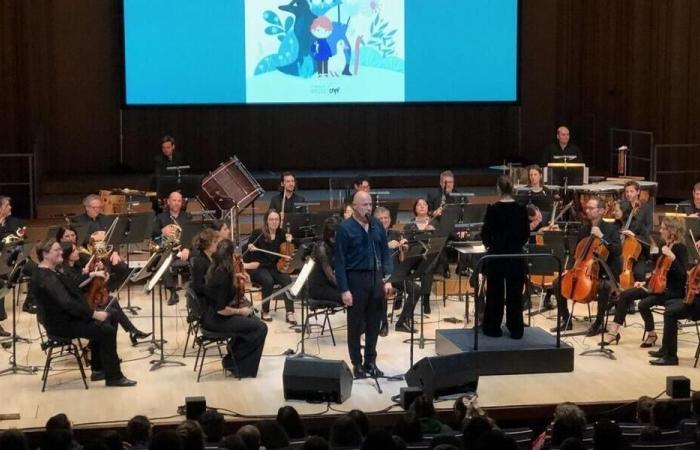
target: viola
<point>580,282</point>
<point>97,291</point>
<point>287,250</point>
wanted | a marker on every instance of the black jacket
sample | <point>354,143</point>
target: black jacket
<point>60,303</point>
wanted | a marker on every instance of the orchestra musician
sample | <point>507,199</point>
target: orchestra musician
<point>288,197</point>
<point>437,200</point>
<point>9,225</point>
<point>362,261</point>
<point>264,270</point>
<point>672,230</point>
<point>81,277</point>
<point>641,223</point>
<point>166,223</point>
<point>693,209</point>
<point>563,146</point>
<point>64,313</point>
<point>322,283</point>
<point>422,222</point>
<point>610,237</point>
<point>398,244</point>
<point>223,315</point>
<point>167,157</point>
<point>505,231</point>
<point>205,242</point>
<point>347,211</point>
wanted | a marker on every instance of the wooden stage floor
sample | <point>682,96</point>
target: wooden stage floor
<point>160,392</point>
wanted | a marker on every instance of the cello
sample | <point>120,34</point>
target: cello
<point>581,281</point>
<point>631,249</point>
<point>692,287</point>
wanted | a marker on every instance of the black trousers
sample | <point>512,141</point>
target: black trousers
<point>504,288</point>
<point>645,306</point>
<point>117,275</point>
<point>602,296</point>
<point>247,341</point>
<point>365,314</point>
<point>647,300</point>
<point>267,278</point>
<point>118,317</point>
<point>675,311</point>
<point>103,343</point>
<point>27,271</point>
<point>169,277</point>
<point>411,296</point>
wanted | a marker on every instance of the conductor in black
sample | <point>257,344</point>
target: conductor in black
<point>362,263</point>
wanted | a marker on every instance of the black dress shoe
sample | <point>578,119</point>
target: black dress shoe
<point>665,361</point>
<point>372,370</point>
<point>594,329</point>
<point>138,334</point>
<point>384,329</point>
<point>358,372</point>
<point>4,333</point>
<point>174,298</point>
<point>29,308</point>
<point>403,328</point>
<point>97,375</point>
<point>121,382</point>
<point>660,353</point>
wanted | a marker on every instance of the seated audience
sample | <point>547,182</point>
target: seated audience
<point>408,428</point>
<point>289,420</point>
<point>166,440</point>
<point>361,420</point>
<point>272,435</point>
<point>607,436</point>
<point>138,432</point>
<point>345,433</point>
<point>13,439</point>
<point>212,423</point>
<point>250,435</point>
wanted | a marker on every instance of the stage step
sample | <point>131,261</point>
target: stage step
<point>536,352</point>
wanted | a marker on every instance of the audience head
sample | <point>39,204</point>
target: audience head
<point>665,414</point>
<point>572,443</point>
<point>315,443</point>
<point>233,442</point>
<point>212,423</point>
<point>57,439</point>
<point>138,429</point>
<point>191,435</point>
<point>361,420</point>
<point>345,433</point>
<point>59,422</point>
<point>378,440</point>
<point>13,439</point>
<point>250,435</point>
<point>569,421</point>
<point>423,406</point>
<point>289,419</point>
<point>408,428</point>
<point>607,435</point>
<point>166,440</point>
<point>473,430</point>
<point>645,409</point>
<point>272,435</point>
<point>446,441</point>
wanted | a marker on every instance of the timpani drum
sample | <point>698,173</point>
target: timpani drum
<point>229,186</point>
<point>610,193</point>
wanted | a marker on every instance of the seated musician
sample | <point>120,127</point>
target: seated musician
<point>288,196</point>
<point>347,211</point>
<point>641,223</point>
<point>8,226</point>
<point>672,231</point>
<point>64,313</point>
<point>610,237</point>
<point>264,270</point>
<point>205,242</point>
<point>563,147</point>
<point>96,222</point>
<point>223,314</point>
<point>693,209</point>
<point>397,244</point>
<point>675,310</point>
<point>82,277</point>
<point>166,224</point>
<point>322,284</point>
<point>505,231</point>
<point>422,222</point>
<point>437,200</point>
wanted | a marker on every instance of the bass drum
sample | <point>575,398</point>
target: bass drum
<point>229,185</point>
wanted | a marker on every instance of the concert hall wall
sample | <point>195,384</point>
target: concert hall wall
<point>592,64</point>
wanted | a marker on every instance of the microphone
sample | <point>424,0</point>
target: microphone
<point>368,216</point>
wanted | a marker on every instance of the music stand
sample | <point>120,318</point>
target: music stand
<point>187,185</point>
<point>138,229</point>
<point>539,267</point>
<point>446,222</point>
<point>692,224</point>
<point>12,280</point>
<point>434,247</point>
<point>566,174</point>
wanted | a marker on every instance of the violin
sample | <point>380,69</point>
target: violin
<point>287,250</point>
<point>239,299</point>
<point>631,249</point>
<point>657,282</point>
<point>581,281</point>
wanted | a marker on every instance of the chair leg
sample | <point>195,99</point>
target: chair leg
<point>45,376</point>
<point>76,353</point>
<point>199,351</point>
<point>330,328</point>
<point>187,340</point>
<point>201,364</point>
<point>697,349</point>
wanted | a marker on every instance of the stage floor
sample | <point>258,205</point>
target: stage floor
<point>160,392</point>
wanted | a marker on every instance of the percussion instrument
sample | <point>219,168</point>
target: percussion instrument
<point>229,186</point>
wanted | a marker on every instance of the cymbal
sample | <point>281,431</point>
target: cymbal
<point>127,191</point>
<point>501,167</point>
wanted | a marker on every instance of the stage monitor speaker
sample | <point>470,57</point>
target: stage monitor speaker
<point>316,380</point>
<point>194,407</point>
<point>444,375</point>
